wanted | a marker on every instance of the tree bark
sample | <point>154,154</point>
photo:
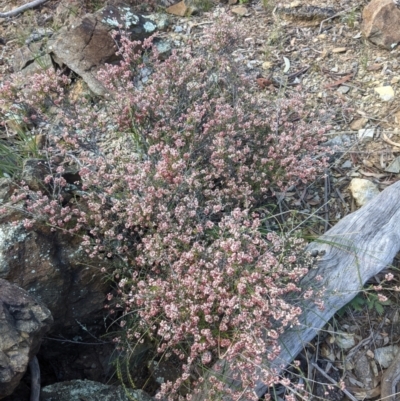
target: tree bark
<point>358,247</point>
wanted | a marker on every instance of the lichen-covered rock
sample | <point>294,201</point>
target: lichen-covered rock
<point>87,44</point>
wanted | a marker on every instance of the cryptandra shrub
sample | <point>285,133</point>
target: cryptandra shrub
<point>175,175</point>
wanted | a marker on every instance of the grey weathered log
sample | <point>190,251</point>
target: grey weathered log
<point>358,247</point>
<point>22,8</point>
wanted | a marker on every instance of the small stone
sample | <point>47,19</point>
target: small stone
<point>339,50</point>
<point>384,356</point>
<point>363,190</point>
<point>241,11</point>
<point>164,49</point>
<point>180,9</point>
<point>395,80</point>
<point>266,65</point>
<point>386,93</point>
<point>344,340</point>
<point>326,352</point>
<point>347,164</point>
<point>394,166</point>
<point>358,124</point>
<point>343,89</point>
<point>363,371</point>
<point>366,134</point>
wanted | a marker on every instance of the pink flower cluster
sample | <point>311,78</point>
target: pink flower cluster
<point>195,154</point>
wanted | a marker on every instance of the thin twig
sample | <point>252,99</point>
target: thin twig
<point>21,9</point>
<point>333,381</point>
<point>336,15</point>
<point>63,340</point>
<point>326,198</point>
<point>389,141</point>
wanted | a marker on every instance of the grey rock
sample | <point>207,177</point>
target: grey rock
<point>31,59</point>
<point>23,323</point>
<point>160,19</point>
<point>363,190</point>
<point>84,48</point>
<point>33,173</point>
<point>54,268</point>
<point>164,48</point>
<point>380,23</point>
<point>366,134</point>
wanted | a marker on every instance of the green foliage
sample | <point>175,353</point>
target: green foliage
<point>15,149</point>
<point>363,300</point>
<point>204,5</point>
<point>350,18</point>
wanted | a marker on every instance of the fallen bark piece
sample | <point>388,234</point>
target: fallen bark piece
<point>390,378</point>
<point>358,247</point>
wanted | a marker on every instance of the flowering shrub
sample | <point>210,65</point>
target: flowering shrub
<point>177,196</point>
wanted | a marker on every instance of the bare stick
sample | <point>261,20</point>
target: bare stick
<point>21,9</point>
<point>35,379</point>
<point>336,15</point>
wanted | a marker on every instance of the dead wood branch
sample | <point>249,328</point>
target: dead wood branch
<point>21,9</point>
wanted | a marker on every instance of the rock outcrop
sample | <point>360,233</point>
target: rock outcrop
<point>55,270</point>
<point>52,267</point>
<point>23,322</point>
<point>87,44</point>
<point>381,19</point>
